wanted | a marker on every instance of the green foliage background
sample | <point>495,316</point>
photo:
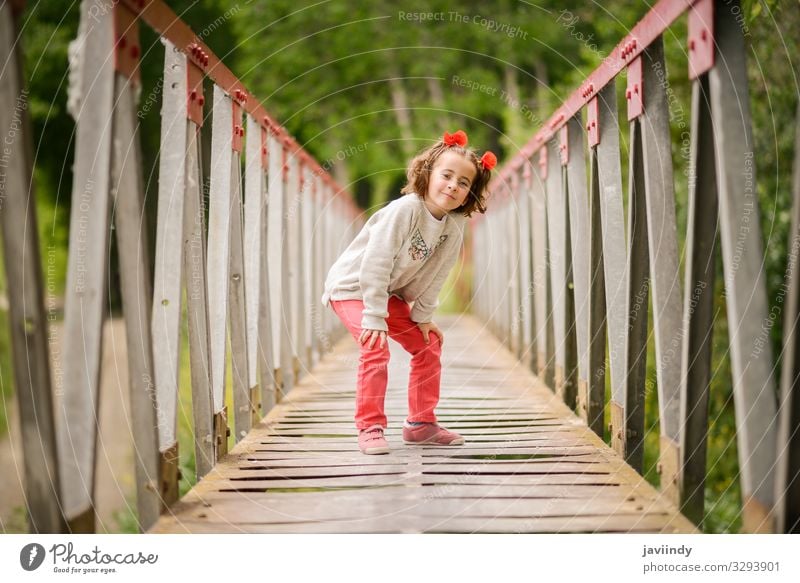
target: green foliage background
<point>365,85</point>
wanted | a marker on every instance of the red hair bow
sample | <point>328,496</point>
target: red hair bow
<point>457,139</point>
<point>488,161</point>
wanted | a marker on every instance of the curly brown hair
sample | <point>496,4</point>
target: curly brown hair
<point>419,172</point>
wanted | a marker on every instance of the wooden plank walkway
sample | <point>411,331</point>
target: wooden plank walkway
<point>529,464</point>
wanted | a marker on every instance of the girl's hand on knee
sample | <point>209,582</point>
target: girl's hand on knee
<point>429,327</point>
<point>371,336</point>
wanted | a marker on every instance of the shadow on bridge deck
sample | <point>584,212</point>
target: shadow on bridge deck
<point>529,464</point>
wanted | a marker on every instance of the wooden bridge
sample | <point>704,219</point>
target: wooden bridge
<point>529,464</point>
<point>559,309</point>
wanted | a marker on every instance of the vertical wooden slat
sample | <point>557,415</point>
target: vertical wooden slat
<point>541,278</point>
<point>627,417</point>
<point>580,242</point>
<point>326,218</point>
<point>275,252</point>
<point>318,268</point>
<point>557,239</point>
<point>219,239</point>
<point>569,389</point>
<point>197,310</point>
<point>291,215</point>
<point>787,467</point>
<point>504,264</point>
<point>86,275</point>
<point>180,255</point>
<point>698,305</point>
<point>500,286</point>
<point>307,238</point>
<point>237,310</point>
<point>257,291</point>
<point>169,250</point>
<point>525,261</point>
<point>592,399</point>
<point>664,272</point>
<point>298,249</point>
<point>253,230</point>
<point>743,266</point>
<point>332,221</point>
<point>612,216</point>
<point>478,279</point>
<point>513,266</point>
<point>27,315</point>
<point>136,286</point>
<point>286,315</point>
<point>491,274</point>
<point>266,342</point>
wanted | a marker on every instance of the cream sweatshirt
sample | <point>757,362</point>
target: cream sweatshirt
<point>403,250</point>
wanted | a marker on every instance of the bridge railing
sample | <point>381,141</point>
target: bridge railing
<point>559,280</point>
<point>250,265</point>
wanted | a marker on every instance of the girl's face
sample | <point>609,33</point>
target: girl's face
<point>449,183</point>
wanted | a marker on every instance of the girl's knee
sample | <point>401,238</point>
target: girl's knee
<point>376,353</point>
<point>433,348</point>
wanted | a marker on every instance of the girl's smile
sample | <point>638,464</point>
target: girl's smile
<point>449,184</point>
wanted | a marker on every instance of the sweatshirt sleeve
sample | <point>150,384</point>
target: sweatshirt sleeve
<point>428,300</point>
<point>386,235</point>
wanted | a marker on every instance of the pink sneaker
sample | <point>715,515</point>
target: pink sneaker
<point>430,434</point>
<point>371,441</point>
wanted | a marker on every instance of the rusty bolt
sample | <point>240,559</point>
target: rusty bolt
<point>704,34</point>
<point>122,42</point>
<point>628,94</point>
<point>691,45</point>
<point>135,52</point>
<point>201,100</point>
<point>193,95</point>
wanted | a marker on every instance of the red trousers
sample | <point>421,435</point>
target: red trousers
<point>426,367</point>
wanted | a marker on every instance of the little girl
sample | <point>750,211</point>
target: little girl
<point>403,255</point>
